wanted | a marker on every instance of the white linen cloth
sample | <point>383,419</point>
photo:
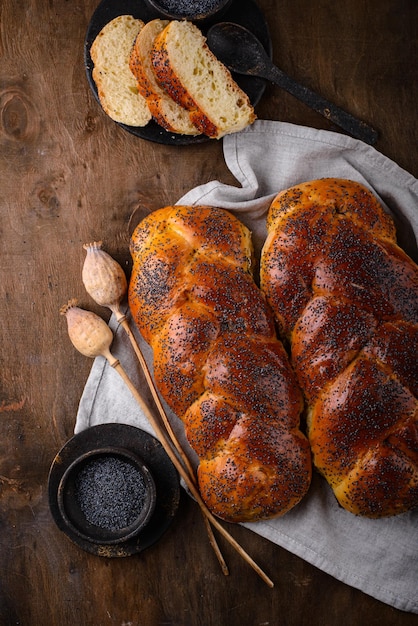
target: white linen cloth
<point>380,557</point>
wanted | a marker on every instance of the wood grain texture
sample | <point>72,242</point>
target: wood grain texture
<point>69,175</point>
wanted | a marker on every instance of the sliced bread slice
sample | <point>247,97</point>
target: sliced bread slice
<point>191,74</point>
<point>166,112</point>
<point>116,85</point>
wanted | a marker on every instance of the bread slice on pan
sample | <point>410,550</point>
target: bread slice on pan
<point>166,112</point>
<point>191,74</point>
<point>116,86</point>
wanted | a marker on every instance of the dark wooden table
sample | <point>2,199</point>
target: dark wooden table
<point>70,175</point>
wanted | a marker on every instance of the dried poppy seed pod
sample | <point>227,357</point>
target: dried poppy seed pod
<point>87,331</point>
<point>103,277</point>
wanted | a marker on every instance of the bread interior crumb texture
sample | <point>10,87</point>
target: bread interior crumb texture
<point>117,87</point>
<point>206,78</point>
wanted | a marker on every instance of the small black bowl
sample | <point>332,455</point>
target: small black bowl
<point>107,495</point>
<point>199,11</point>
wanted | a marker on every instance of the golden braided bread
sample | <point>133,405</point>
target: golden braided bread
<point>346,298</point>
<point>217,361</point>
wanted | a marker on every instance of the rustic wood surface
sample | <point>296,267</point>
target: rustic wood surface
<point>70,175</point>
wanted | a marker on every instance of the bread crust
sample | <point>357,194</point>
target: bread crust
<point>171,84</point>
<point>346,298</point>
<point>165,111</point>
<point>218,362</point>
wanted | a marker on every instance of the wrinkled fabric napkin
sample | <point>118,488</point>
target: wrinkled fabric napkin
<point>380,557</point>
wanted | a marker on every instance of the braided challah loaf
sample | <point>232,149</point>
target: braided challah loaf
<point>346,298</point>
<point>217,361</point>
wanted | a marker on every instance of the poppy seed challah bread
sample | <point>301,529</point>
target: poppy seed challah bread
<point>188,72</point>
<point>163,70</point>
<point>346,298</point>
<point>217,361</point>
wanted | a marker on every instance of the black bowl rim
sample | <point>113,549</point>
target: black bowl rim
<point>103,536</point>
<point>221,5</point>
